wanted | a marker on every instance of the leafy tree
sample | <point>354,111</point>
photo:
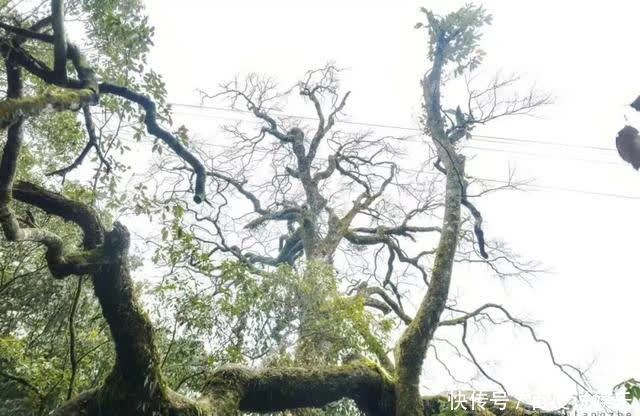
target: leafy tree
<point>60,345</point>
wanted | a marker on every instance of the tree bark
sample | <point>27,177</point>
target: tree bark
<point>412,346</point>
<point>279,389</point>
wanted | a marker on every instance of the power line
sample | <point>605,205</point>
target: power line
<point>266,150</point>
<point>547,143</point>
<point>406,128</point>
<point>540,155</point>
<point>493,140</point>
<point>572,190</point>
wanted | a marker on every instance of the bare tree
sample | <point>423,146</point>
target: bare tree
<point>293,190</point>
<point>326,194</point>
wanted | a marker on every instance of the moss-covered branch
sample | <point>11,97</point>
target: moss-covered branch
<point>60,262</point>
<point>276,389</point>
<point>14,108</point>
<point>412,346</point>
<point>135,382</point>
<point>81,92</point>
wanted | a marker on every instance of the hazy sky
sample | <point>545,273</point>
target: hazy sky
<point>584,55</point>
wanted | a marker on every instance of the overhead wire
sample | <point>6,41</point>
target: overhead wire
<point>405,128</point>
<point>530,186</point>
<point>489,138</point>
<point>411,139</point>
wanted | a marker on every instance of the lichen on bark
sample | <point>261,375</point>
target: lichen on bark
<point>56,100</point>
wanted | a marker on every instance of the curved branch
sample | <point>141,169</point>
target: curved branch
<point>60,263</point>
<point>239,185</point>
<point>69,210</point>
<point>477,216</point>
<point>388,302</point>
<point>92,143</point>
<point>561,366</point>
<point>475,361</point>
<point>154,128</point>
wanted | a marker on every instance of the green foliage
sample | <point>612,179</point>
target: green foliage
<point>34,337</point>
<point>60,136</point>
<point>121,31</point>
<point>282,317</point>
<point>333,327</point>
<point>459,33</point>
<point>34,308</point>
<point>631,389</point>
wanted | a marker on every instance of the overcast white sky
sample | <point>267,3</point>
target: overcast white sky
<point>583,53</point>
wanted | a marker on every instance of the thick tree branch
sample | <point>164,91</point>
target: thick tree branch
<point>52,203</point>
<point>12,109</point>
<point>401,230</point>
<point>326,173</point>
<point>59,41</point>
<point>153,128</point>
<point>412,346</point>
<point>60,262</point>
<point>27,33</point>
<point>86,95</point>
<point>11,48</point>
<point>477,216</point>
<point>281,389</point>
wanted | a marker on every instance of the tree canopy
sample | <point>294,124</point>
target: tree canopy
<point>284,260</point>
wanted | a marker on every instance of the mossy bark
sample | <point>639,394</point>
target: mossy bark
<point>12,109</point>
<point>136,376</point>
<point>135,384</point>
<point>277,389</point>
<point>412,346</point>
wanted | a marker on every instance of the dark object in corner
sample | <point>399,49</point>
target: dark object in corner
<point>628,144</point>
